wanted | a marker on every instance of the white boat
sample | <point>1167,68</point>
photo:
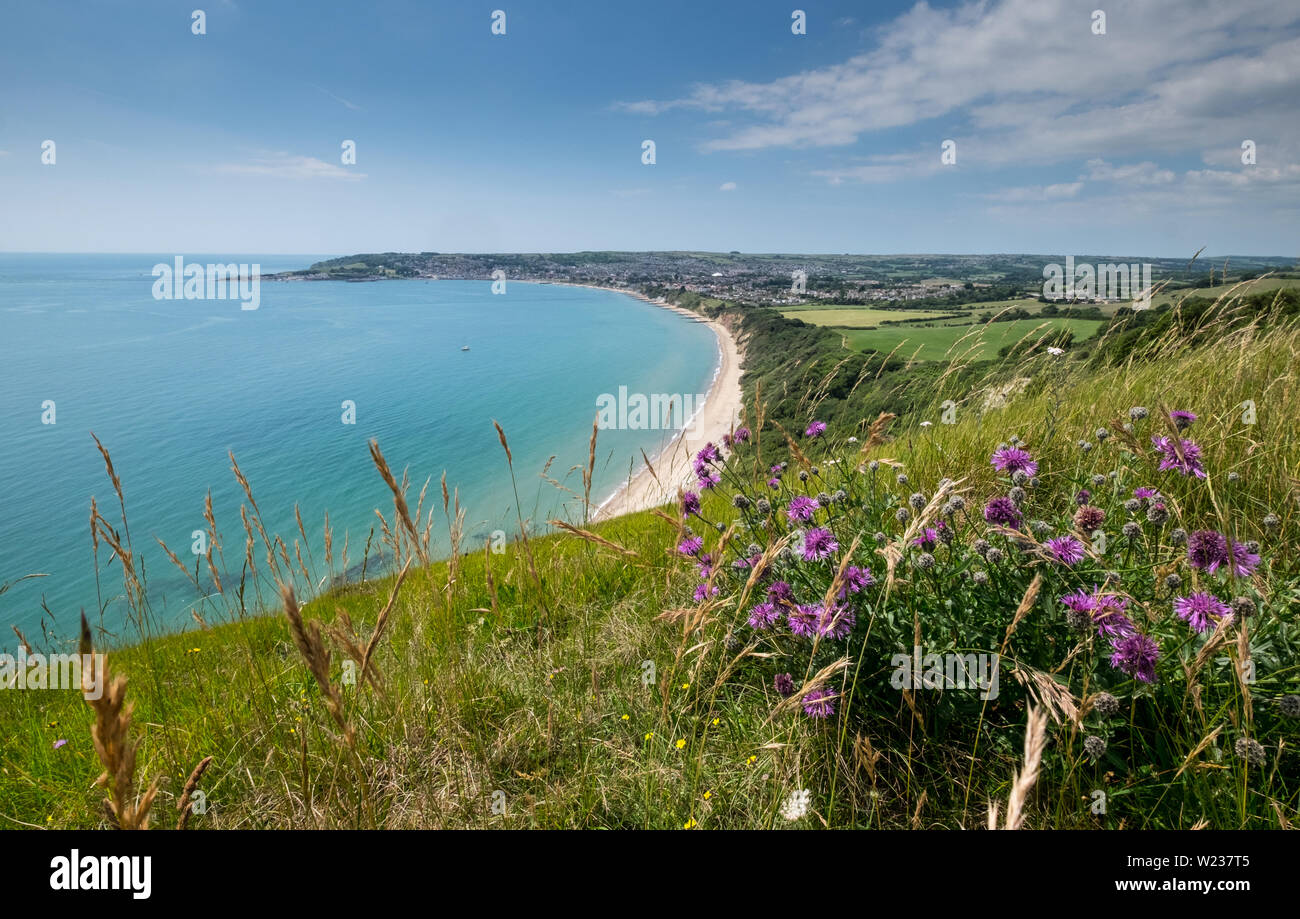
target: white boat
<point>465,348</point>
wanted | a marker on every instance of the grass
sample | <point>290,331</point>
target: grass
<point>572,681</point>
<point>973,341</point>
<point>860,317</point>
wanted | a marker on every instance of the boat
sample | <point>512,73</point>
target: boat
<point>465,348</point>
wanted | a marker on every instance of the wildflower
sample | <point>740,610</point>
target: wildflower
<point>880,538</point>
<point>1184,458</point>
<point>980,577</point>
<point>1173,581</point>
<point>917,500</point>
<point>855,580</point>
<point>708,794</point>
<point>1085,446</point>
<point>1105,704</point>
<point>981,546</point>
<point>1182,420</point>
<point>1145,494</point>
<point>741,435</point>
<point>774,483</point>
<point>708,480</point>
<point>763,506</point>
<point>1244,558</point>
<point>709,454</point>
<point>784,684</point>
<point>1098,481</point>
<point>818,544</point>
<point>815,430</point>
<point>1271,522</point>
<point>1136,655</point>
<point>1137,413</point>
<point>820,703</point>
<point>1133,505</point>
<point>994,556</point>
<point>1080,601</point>
<point>1017,495</point>
<point>1094,746</point>
<point>60,742</point>
<point>802,508</point>
<point>902,515</point>
<point>1252,751</point>
<point>796,805</point>
<point>835,622</point>
<point>929,536</point>
<point>649,735</point>
<point>1012,459</point>
<point>763,615</point>
<point>1082,497</point>
<point>690,824</point>
<point>690,504</point>
<point>704,591</point>
<point>681,744</point>
<point>740,502</point>
<point>691,545</point>
<point>1201,610</point>
<point>1289,705</point>
<point>1207,550</point>
<point>780,591</point>
<point>1101,434</point>
<point>1066,549</point>
<point>625,717</point>
<point>1157,513</point>
<point>1243,607</point>
<point>803,620</point>
<point>1177,536</point>
<point>1132,531</point>
<point>1110,616</point>
<point>803,475</point>
<point>1002,511</point>
<point>924,561</point>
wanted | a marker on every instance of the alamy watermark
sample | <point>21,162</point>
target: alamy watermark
<point>946,671</point>
<point>196,281</point>
<point>642,412</point>
<point>53,671</point>
<point>1095,283</point>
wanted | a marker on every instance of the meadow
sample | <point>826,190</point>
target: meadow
<point>730,661</point>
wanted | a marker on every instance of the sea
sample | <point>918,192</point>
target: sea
<point>296,389</point>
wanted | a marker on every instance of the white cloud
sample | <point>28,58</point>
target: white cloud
<point>285,166</point>
<point>727,186</point>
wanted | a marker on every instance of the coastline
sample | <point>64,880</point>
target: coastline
<point>716,417</point>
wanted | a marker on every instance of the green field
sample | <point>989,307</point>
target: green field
<point>933,342</point>
<point>860,317</point>
<point>1240,289</point>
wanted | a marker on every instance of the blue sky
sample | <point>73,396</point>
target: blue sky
<point>1067,141</point>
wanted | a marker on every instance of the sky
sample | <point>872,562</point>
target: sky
<point>1066,138</point>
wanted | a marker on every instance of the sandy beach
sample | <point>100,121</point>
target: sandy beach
<point>716,417</point>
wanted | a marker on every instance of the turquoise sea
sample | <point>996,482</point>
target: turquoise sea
<point>170,386</point>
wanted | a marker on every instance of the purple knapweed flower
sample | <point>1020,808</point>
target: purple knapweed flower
<point>1110,616</point>
<point>780,592</point>
<point>855,580</point>
<point>818,544</point>
<point>1145,494</point>
<point>820,703</point>
<point>784,684</point>
<point>741,435</point>
<point>803,620</point>
<point>1012,460</point>
<point>690,504</point>
<point>815,430</point>
<point>836,622</point>
<point>708,480</point>
<point>1244,562</point>
<point>1003,512</point>
<point>802,508</point>
<point>1182,420</point>
<point>773,483</point>
<point>763,615</point>
<point>1207,550</point>
<point>704,591</point>
<point>929,536</point>
<point>1080,601</point>
<point>1065,549</point>
<point>1184,458</point>
<point>1202,611</point>
<point>691,545</point>
<point>1136,655</point>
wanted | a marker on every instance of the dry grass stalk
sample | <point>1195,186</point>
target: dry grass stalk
<point>1023,782</point>
<point>185,805</point>
<point>399,499</point>
<point>1199,749</point>
<point>592,537</point>
<point>111,733</point>
<point>589,472</point>
<point>307,638</point>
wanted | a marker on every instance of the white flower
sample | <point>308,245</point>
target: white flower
<point>926,424</point>
<point>796,805</point>
<point>1056,352</point>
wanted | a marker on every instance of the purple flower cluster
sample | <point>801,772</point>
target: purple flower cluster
<point>1012,460</point>
<point>815,430</point>
<point>1066,550</point>
<point>1209,551</point>
<point>1202,611</point>
<point>1183,456</point>
<point>1002,511</point>
<point>802,509</point>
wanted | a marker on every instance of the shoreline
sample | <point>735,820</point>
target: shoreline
<point>717,416</point>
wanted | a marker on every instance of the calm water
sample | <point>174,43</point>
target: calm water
<point>171,386</point>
